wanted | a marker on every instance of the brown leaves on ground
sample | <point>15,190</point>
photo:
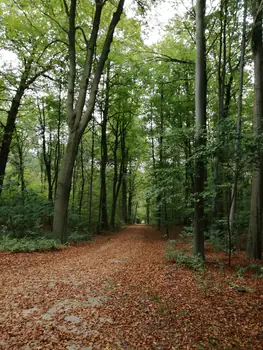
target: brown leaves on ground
<point>118,292</point>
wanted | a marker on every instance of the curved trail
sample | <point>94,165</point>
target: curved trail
<point>115,293</point>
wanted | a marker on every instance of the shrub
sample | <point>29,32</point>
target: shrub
<point>20,215</point>
<point>26,244</point>
<point>186,233</point>
<point>182,258</point>
<point>79,236</point>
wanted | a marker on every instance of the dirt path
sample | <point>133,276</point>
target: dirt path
<point>115,293</point>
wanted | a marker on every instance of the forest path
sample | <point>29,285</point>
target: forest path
<point>116,292</point>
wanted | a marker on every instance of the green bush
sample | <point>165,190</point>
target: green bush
<point>182,258</point>
<point>22,216</point>
<point>218,237</point>
<point>186,233</point>
<point>26,244</point>
<point>79,236</point>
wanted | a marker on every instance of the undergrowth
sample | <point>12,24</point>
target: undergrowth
<point>173,254</point>
<point>27,244</point>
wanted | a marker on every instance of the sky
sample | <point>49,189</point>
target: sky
<point>157,18</point>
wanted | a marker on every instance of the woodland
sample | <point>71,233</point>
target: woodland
<point>97,133</point>
<point>115,151</point>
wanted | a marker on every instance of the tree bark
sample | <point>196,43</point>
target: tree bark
<point>10,124</point>
<point>63,189</point>
<point>239,124</point>
<point>91,174</point>
<point>103,222</point>
<point>200,127</point>
<point>124,152</point>
<point>254,248</point>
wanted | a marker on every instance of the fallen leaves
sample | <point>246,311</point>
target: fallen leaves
<point>123,295</point>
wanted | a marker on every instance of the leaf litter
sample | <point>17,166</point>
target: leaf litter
<point>119,292</point>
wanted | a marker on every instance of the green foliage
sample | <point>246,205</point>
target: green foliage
<point>186,233</point>
<point>204,282</point>
<point>218,238</point>
<point>241,270</point>
<point>79,236</point>
<point>257,270</point>
<point>182,258</point>
<point>26,244</point>
<point>20,215</point>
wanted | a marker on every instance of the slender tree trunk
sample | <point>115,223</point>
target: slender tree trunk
<point>58,146</point>
<point>124,178</point>
<point>200,135</point>
<point>91,173</point>
<point>8,132</point>
<point>131,180</point>
<point>117,176</point>
<point>21,167</point>
<point>104,223</point>
<point>218,200</point>
<point>82,187</point>
<point>254,247</point>
<point>147,211</point>
<point>74,185</point>
<point>25,82</point>
<point>45,154</point>
<point>239,124</point>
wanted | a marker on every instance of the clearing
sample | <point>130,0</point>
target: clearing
<point>118,292</point>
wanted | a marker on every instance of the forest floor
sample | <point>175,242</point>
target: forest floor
<point>119,292</point>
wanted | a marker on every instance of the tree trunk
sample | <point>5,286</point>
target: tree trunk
<point>103,222</point>
<point>200,134</point>
<point>255,224</point>
<point>124,179</point>
<point>91,173</point>
<point>8,131</point>
<point>63,189</point>
<point>238,126</point>
<point>21,166</point>
<point>82,187</point>
<point>147,211</point>
<point>117,176</point>
<point>77,118</point>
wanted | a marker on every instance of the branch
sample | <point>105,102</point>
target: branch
<point>83,33</point>
<point>166,58</point>
<point>88,61</point>
<point>99,69</point>
<point>66,7</point>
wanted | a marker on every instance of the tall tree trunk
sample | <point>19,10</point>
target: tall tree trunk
<point>147,211</point>
<point>124,178</point>
<point>64,186</point>
<point>117,175</point>
<point>238,125</point>
<point>103,222</point>
<point>21,166</point>
<point>9,130</point>
<point>200,126</point>
<point>131,180</point>
<point>58,146</point>
<point>218,200</point>
<point>254,247</point>
<point>91,174</point>
<point>25,82</point>
<point>46,156</point>
<point>77,119</point>
<point>82,187</point>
